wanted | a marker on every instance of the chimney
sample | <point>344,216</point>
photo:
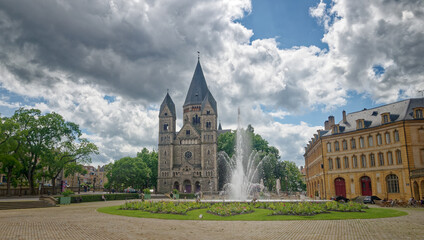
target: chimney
<point>331,121</point>
<point>344,116</point>
<point>326,126</point>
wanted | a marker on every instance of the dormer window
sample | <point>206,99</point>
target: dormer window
<point>418,113</point>
<point>385,118</point>
<point>359,123</point>
<point>336,129</point>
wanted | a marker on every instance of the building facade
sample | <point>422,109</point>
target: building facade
<point>377,151</point>
<point>187,159</point>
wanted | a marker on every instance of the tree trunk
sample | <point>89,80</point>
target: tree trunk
<point>31,182</point>
<point>9,179</point>
<point>54,185</point>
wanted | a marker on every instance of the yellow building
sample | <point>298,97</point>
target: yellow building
<point>377,151</point>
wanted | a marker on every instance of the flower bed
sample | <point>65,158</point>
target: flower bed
<point>163,207</point>
<point>230,209</point>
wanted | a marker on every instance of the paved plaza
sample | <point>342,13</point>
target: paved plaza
<point>82,221</point>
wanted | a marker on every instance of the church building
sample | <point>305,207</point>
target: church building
<point>187,159</point>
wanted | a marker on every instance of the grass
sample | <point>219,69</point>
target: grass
<point>257,215</point>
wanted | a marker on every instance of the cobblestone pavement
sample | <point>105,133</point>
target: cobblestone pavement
<point>82,221</point>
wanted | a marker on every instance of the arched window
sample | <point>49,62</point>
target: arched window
<point>396,136</point>
<point>390,158</point>
<point>355,161</point>
<point>328,147</point>
<point>392,183</point>
<point>361,142</point>
<point>399,157</point>
<point>338,164</point>
<point>344,143</point>
<point>379,140</point>
<point>336,146</point>
<point>370,141</point>
<point>346,162</point>
<point>330,163</point>
<point>363,161</point>
<point>388,138</point>
<point>381,159</point>
<point>372,160</point>
<point>353,143</point>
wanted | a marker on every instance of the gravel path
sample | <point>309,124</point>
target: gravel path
<point>82,221</point>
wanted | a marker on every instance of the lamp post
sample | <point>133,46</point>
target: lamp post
<point>94,183</point>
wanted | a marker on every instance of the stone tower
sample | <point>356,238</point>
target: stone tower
<point>188,158</point>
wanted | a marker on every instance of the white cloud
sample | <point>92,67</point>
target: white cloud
<point>71,54</point>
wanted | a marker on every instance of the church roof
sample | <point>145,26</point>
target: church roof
<point>198,87</point>
<point>209,98</point>
<point>168,102</point>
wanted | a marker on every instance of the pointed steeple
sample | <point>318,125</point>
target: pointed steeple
<point>219,126</point>
<point>198,87</point>
<point>168,102</point>
<point>209,98</point>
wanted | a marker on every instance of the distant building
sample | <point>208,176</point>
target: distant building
<point>188,158</point>
<point>95,177</point>
<point>377,151</point>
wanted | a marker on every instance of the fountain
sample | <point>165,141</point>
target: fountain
<point>243,166</point>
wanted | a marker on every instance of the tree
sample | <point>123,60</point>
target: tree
<point>129,172</point>
<point>151,160</point>
<point>9,146</point>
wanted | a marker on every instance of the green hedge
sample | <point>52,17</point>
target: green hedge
<point>98,197</point>
<point>187,196</point>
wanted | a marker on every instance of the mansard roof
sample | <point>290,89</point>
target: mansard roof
<point>198,87</point>
<point>168,102</point>
<point>209,98</point>
<point>399,111</point>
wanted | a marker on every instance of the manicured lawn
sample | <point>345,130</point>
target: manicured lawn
<point>257,215</point>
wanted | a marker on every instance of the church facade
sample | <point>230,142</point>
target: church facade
<point>187,159</point>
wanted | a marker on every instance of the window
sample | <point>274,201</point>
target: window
<point>338,164</point>
<point>208,124</point>
<point>379,140</point>
<point>372,160</point>
<point>330,163</point>
<point>370,141</point>
<point>387,138</point>
<point>346,162</point>
<point>396,136</point>
<point>344,143</point>
<point>363,161</point>
<point>328,147</point>
<point>390,158</point>
<point>386,118</point>
<point>361,142</point>
<point>187,132</point>
<point>165,127</point>
<point>399,157</point>
<point>419,113</point>
<point>359,124</point>
<point>392,183</point>
<point>355,161</point>
<point>336,129</point>
<point>353,143</point>
<point>208,112</point>
<point>381,159</point>
<point>336,146</point>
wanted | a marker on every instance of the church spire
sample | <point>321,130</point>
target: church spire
<point>167,101</point>
<point>198,87</point>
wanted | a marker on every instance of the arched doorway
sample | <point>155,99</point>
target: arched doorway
<point>197,186</point>
<point>416,191</point>
<point>187,186</point>
<point>176,186</point>
<point>366,186</point>
<point>339,184</point>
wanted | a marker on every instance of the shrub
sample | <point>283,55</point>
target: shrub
<point>187,196</point>
<point>175,191</point>
<point>67,193</point>
<point>146,191</point>
<point>98,197</point>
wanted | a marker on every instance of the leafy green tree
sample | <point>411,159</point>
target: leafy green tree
<point>9,146</point>
<point>129,172</point>
<point>151,160</point>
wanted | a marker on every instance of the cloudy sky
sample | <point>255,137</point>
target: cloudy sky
<point>107,65</point>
